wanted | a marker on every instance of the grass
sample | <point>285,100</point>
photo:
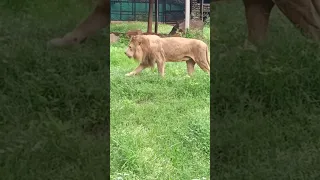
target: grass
<point>159,127</point>
<point>53,102</point>
<point>265,115</point>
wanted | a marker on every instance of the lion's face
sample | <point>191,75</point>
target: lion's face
<point>134,49</point>
<point>130,50</point>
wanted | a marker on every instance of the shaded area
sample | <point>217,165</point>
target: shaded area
<point>265,105</point>
<point>53,103</point>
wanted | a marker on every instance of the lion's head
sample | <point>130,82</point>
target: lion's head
<point>144,49</point>
<point>136,48</point>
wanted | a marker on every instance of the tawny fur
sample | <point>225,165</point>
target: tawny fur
<point>149,50</point>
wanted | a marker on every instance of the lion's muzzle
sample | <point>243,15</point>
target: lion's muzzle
<point>128,53</point>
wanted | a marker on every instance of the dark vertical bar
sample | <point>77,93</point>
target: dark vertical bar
<point>165,11</point>
<point>151,2</point>
<point>213,164</point>
<point>201,10</point>
<point>156,16</point>
<point>120,10</point>
<point>135,10</point>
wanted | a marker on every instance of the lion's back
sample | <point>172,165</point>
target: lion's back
<point>178,45</point>
<point>186,42</point>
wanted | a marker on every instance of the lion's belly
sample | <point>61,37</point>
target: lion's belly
<point>177,56</point>
<point>177,59</point>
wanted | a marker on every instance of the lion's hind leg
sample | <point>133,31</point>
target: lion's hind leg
<point>204,65</point>
<point>205,68</point>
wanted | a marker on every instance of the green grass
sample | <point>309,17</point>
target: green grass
<point>53,102</point>
<point>266,104</point>
<point>159,127</point>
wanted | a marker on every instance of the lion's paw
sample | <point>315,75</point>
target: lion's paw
<point>129,74</point>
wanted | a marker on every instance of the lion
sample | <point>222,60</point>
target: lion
<point>149,50</point>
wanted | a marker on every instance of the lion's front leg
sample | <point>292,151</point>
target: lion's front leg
<point>136,71</point>
<point>161,65</point>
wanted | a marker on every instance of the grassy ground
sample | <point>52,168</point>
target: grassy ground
<point>53,102</point>
<point>159,127</point>
<point>266,104</point>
